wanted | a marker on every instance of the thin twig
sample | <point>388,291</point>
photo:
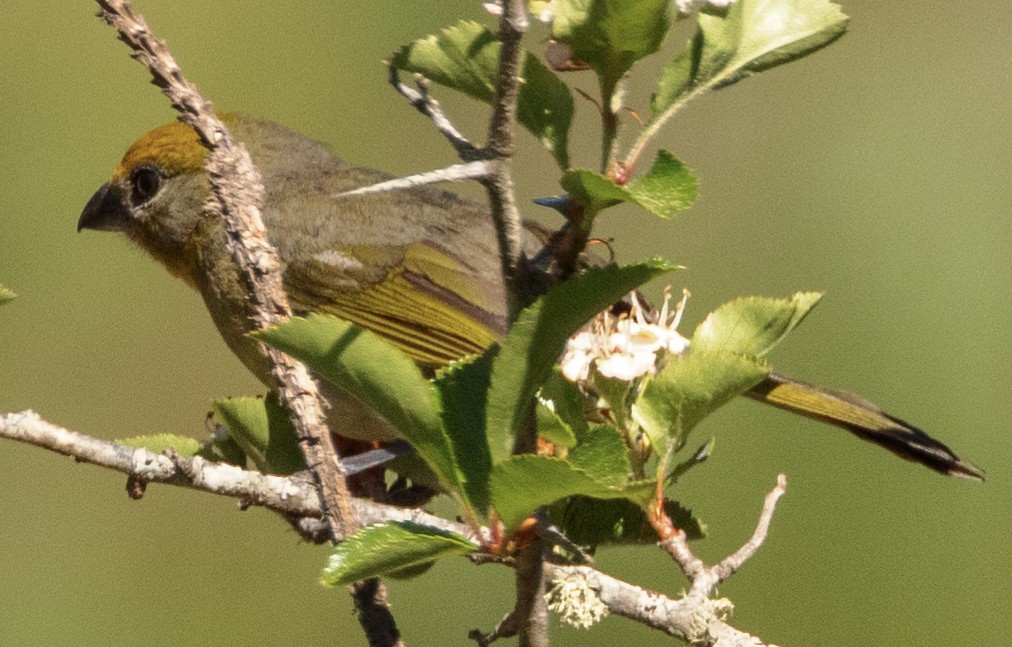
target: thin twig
<point>425,104</point>
<point>477,170</point>
<point>706,578</point>
<point>237,195</point>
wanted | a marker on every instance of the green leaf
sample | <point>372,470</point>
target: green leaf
<point>593,190</point>
<point>379,375</point>
<point>465,57</point>
<point>603,453</point>
<point>390,547</point>
<point>534,343</point>
<point>552,427</point>
<point>688,389</point>
<point>522,484</point>
<point>751,36</point>
<point>5,294</point>
<point>462,389</point>
<point>667,188</point>
<point>223,449</point>
<point>263,430</point>
<point>567,401</point>
<point>158,443</point>
<point>752,325</point>
<point>592,522</point>
<point>611,35</point>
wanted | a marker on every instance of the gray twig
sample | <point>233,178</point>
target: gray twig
<point>236,197</point>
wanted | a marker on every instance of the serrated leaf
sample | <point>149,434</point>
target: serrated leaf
<point>158,443</point>
<point>521,484</point>
<point>688,389</point>
<point>551,426</point>
<point>602,452</point>
<point>593,190</point>
<point>465,57</point>
<point>379,375</point>
<point>534,343</point>
<point>5,294</point>
<point>462,389</point>
<point>263,430</point>
<point>611,35</point>
<point>390,547</point>
<point>592,522</point>
<point>751,36</point>
<point>667,188</point>
<point>567,401</point>
<point>752,325</point>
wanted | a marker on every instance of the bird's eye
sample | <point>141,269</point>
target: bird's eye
<point>144,183</point>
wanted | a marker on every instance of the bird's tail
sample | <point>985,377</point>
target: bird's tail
<point>865,420</point>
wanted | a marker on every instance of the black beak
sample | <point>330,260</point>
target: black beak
<point>105,211</point>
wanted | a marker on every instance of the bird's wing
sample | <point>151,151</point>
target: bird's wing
<point>419,297</point>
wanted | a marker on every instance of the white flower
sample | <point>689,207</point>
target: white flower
<point>625,348</point>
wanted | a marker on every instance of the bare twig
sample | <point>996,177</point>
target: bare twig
<point>237,196</point>
<point>478,170</point>
<point>705,579</point>
<point>507,628</point>
<point>425,104</point>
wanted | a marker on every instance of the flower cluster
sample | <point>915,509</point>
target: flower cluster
<point>625,347</point>
<point>576,603</point>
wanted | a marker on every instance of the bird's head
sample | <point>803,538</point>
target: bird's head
<point>156,197</point>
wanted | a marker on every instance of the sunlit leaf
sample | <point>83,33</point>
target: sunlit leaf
<point>158,443</point>
<point>688,389</point>
<point>611,35</point>
<point>379,375</point>
<point>666,189</point>
<point>390,547</point>
<point>263,430</point>
<point>751,36</point>
<point>537,339</point>
<point>752,325</point>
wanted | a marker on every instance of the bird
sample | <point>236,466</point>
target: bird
<point>420,267</point>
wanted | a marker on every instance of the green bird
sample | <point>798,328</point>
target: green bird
<point>419,267</point>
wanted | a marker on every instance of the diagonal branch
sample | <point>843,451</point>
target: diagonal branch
<point>237,196</point>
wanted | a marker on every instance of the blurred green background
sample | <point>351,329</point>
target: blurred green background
<point>876,170</point>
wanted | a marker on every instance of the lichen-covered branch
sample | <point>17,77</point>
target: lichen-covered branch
<point>691,618</point>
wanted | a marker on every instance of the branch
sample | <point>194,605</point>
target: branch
<point>692,618</point>
<point>706,578</point>
<point>291,496</point>
<point>236,197</point>
<point>425,104</point>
